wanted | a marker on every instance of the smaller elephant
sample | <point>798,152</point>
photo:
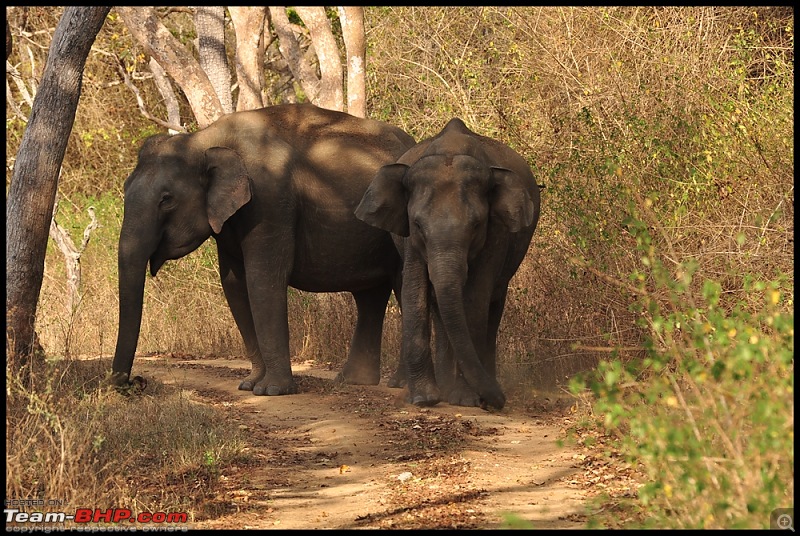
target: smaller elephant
<point>462,209</point>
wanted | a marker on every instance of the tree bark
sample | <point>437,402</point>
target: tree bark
<point>249,25</point>
<point>331,92</point>
<point>158,42</point>
<point>34,182</point>
<point>352,19</point>
<point>209,21</point>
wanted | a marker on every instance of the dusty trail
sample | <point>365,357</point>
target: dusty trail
<point>341,457</point>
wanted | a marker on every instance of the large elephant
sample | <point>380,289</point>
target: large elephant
<point>276,187</point>
<point>463,209</point>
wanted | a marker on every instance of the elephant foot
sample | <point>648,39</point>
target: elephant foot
<point>355,375</point>
<point>119,379</point>
<point>135,386</point>
<point>426,396</point>
<point>249,383</point>
<point>463,397</point>
<point>398,379</point>
<point>270,389</point>
<point>493,398</point>
<point>461,394</point>
<point>423,401</point>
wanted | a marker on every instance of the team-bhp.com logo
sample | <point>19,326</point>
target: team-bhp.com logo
<point>96,515</point>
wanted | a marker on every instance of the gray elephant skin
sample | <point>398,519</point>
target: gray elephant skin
<point>277,188</point>
<point>462,209</point>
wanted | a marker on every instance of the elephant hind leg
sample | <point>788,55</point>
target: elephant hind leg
<point>235,287</point>
<point>398,379</point>
<point>363,365</point>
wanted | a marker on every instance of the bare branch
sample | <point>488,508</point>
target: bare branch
<point>27,96</point>
<point>140,102</point>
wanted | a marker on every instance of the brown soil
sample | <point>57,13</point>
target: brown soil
<point>344,457</point>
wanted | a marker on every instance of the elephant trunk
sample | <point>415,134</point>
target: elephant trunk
<point>448,276</point>
<point>132,260</point>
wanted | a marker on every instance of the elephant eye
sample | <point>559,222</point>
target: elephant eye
<point>166,200</point>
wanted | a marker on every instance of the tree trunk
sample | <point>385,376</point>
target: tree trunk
<point>249,25</point>
<point>156,39</point>
<point>9,41</point>
<point>301,69</point>
<point>167,93</point>
<point>209,21</point>
<point>352,19</point>
<point>331,93</point>
<point>34,182</point>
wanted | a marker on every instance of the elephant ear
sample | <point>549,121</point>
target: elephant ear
<point>512,202</point>
<point>385,204</point>
<point>228,187</point>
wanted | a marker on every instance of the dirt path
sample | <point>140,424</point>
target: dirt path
<point>339,457</point>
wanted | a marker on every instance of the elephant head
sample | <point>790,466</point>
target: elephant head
<point>447,195</point>
<point>181,191</point>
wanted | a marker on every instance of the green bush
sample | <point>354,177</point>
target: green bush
<point>708,413</point>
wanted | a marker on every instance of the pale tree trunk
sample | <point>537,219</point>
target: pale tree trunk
<point>72,257</point>
<point>301,69</point>
<point>170,99</point>
<point>209,21</point>
<point>158,42</point>
<point>31,195</point>
<point>352,19</point>
<point>331,93</point>
<point>249,25</point>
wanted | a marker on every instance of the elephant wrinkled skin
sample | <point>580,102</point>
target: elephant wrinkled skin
<point>463,209</point>
<point>276,187</point>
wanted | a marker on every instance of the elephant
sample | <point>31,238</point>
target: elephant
<point>462,209</point>
<point>276,187</point>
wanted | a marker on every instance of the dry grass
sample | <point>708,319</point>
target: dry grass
<point>74,441</point>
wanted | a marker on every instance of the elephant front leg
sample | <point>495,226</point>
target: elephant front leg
<point>363,365</point>
<point>234,285</point>
<point>272,326</point>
